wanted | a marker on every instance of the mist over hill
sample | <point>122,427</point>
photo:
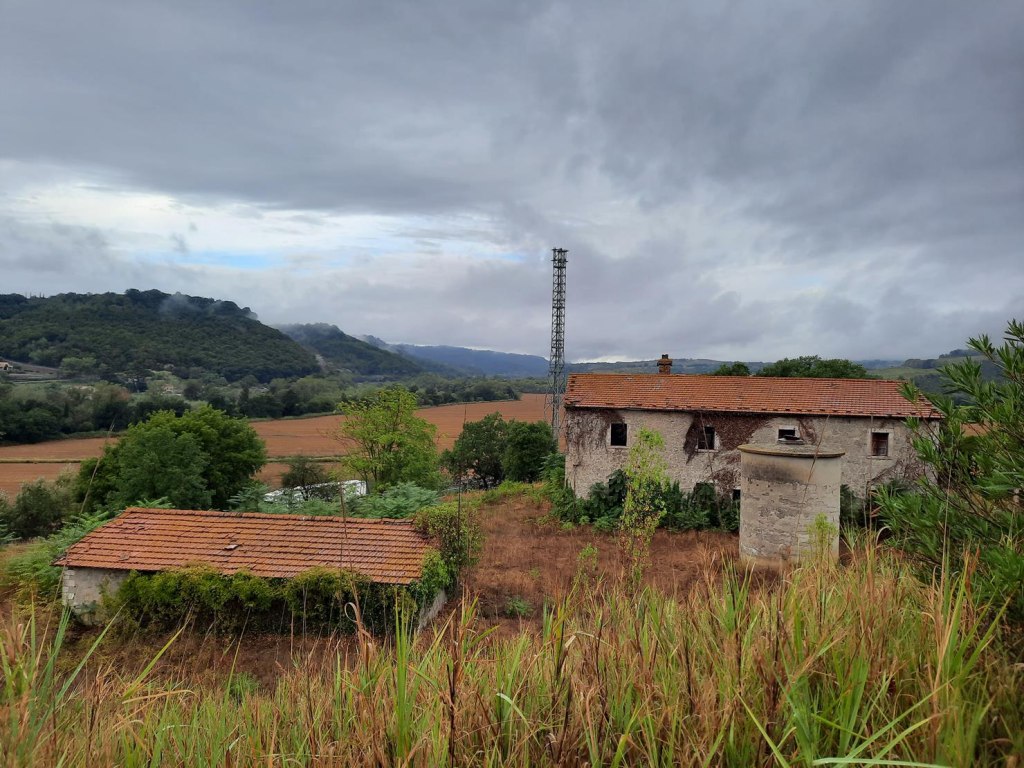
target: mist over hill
<point>342,352</point>
<point>109,333</point>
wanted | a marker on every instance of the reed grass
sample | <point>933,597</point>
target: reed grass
<point>858,664</point>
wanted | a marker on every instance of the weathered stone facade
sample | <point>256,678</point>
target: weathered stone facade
<point>785,488</point>
<point>82,589</point>
<point>590,457</point>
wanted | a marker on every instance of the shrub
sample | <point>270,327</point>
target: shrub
<point>320,599</point>
<point>966,511</point>
<point>305,476</point>
<point>399,501</point>
<point>320,595</point>
<point>518,608</point>
<point>31,572</point>
<point>38,510</point>
<point>527,446</point>
<point>853,510</point>
<point>457,532</point>
<point>701,509</point>
<point>507,489</point>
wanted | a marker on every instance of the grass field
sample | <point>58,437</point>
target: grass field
<point>853,664</point>
<point>284,438</point>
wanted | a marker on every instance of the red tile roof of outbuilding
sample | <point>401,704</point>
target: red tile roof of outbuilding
<point>272,546</point>
<point>744,394</point>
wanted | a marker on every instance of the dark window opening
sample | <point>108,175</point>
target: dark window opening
<point>788,432</point>
<point>735,494</point>
<point>619,433</point>
<point>879,443</point>
<point>706,439</point>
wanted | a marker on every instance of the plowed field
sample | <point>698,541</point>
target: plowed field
<point>284,437</point>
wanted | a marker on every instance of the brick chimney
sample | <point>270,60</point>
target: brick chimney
<point>665,365</point>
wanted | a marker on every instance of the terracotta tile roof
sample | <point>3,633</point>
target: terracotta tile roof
<point>272,546</point>
<point>743,394</point>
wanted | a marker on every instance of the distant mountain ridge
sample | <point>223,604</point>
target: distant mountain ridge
<point>340,351</point>
<point>109,333</point>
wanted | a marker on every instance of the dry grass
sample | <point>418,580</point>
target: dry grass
<point>525,557</point>
<point>528,556</point>
<point>852,665</point>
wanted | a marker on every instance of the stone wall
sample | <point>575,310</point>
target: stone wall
<point>784,490</point>
<point>82,589</point>
<point>590,458</point>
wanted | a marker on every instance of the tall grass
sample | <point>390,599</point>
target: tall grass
<point>833,665</point>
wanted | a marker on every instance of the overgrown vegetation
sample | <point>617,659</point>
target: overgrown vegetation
<point>397,501</point>
<point>859,666</point>
<point>491,450</point>
<point>39,509</point>
<point>30,572</point>
<point>196,461</point>
<point>318,600</point>
<point>699,509</point>
<point>967,513</point>
<point>643,507</point>
<point>385,442</point>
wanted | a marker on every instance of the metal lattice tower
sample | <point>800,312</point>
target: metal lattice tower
<point>556,366</point>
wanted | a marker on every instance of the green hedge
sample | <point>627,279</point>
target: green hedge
<point>317,600</point>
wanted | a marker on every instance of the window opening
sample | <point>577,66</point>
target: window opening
<point>619,433</point>
<point>706,439</point>
<point>879,443</point>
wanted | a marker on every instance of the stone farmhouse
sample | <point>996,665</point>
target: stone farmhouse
<point>266,545</point>
<point>704,419</point>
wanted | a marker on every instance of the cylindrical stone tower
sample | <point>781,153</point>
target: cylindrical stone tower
<point>783,489</point>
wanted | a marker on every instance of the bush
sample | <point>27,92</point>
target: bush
<point>38,510</point>
<point>527,446</point>
<point>457,532</point>
<point>853,510</point>
<point>31,572</point>
<point>699,510</point>
<point>398,501</point>
<point>308,478</point>
<point>965,513</point>
<point>320,599</point>
<point>518,608</point>
<point>320,595</point>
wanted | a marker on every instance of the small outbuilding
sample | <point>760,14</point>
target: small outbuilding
<point>266,545</point>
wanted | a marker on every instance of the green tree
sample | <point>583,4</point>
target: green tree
<point>967,511</point>
<point>156,462</point>
<point>527,447</point>
<point>303,474</point>
<point>38,510</point>
<point>479,448</point>
<point>644,505</point>
<point>202,452</point>
<point>732,369</point>
<point>385,442</point>
<point>812,366</point>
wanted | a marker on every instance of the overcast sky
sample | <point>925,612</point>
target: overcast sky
<point>737,180</point>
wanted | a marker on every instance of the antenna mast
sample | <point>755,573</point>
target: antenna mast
<point>556,366</point>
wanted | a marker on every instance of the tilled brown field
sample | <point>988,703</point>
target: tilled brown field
<point>284,437</point>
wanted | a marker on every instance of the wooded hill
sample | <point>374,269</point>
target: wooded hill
<point>110,333</point>
<point>347,353</point>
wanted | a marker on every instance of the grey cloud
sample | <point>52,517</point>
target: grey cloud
<point>872,151</point>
